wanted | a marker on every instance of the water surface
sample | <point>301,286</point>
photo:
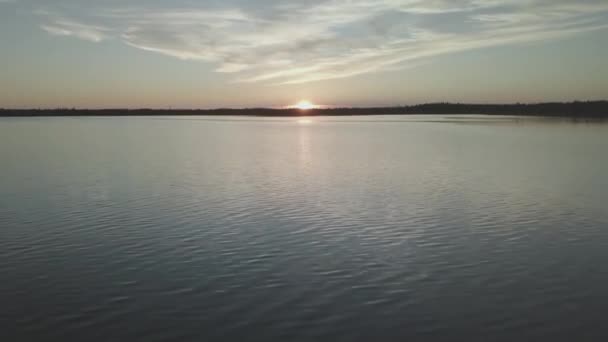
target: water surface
<point>434,228</point>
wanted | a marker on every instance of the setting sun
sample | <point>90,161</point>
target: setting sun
<point>305,105</point>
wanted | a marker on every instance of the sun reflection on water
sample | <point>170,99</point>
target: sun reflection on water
<point>304,121</point>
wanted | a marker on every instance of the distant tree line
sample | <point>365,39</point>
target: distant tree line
<point>577,109</point>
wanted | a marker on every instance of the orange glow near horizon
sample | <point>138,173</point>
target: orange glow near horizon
<point>305,105</point>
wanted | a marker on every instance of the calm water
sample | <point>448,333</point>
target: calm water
<point>333,229</point>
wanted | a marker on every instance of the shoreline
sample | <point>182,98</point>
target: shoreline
<point>589,109</point>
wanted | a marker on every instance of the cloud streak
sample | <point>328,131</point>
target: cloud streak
<point>78,30</point>
<point>288,42</point>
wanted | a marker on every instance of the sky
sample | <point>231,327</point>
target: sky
<point>271,53</point>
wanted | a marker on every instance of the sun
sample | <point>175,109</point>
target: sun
<point>305,105</point>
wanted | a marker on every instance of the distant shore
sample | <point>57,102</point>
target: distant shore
<point>577,109</point>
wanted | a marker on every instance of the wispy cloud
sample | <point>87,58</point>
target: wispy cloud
<point>71,28</point>
<point>292,41</point>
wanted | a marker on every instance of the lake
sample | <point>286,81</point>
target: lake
<point>387,228</point>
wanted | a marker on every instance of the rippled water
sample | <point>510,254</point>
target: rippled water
<point>338,229</point>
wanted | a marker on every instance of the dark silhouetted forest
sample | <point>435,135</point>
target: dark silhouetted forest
<point>578,109</point>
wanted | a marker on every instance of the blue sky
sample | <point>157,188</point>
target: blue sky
<point>236,53</point>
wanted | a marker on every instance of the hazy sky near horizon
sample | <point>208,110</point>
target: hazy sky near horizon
<point>238,53</point>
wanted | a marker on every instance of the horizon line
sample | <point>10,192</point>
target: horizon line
<point>291,108</point>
